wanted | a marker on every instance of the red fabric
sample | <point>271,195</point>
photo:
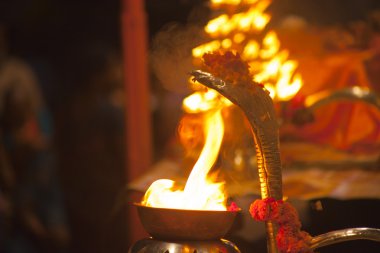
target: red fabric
<point>345,125</point>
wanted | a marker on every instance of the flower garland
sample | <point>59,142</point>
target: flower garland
<point>230,67</point>
<point>290,238</point>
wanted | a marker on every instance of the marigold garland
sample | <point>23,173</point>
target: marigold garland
<point>230,67</point>
<point>290,238</point>
<point>233,207</point>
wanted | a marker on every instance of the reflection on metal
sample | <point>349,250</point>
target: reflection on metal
<point>351,94</point>
<point>182,224</point>
<point>356,93</point>
<point>258,108</point>
<point>153,246</point>
<point>345,235</point>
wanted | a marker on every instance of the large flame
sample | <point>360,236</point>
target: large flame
<point>270,64</point>
<point>200,191</point>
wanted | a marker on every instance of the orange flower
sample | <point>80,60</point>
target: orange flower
<point>290,238</point>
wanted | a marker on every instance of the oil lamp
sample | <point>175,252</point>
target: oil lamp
<point>181,230</point>
<point>194,217</point>
<point>189,230</point>
<point>258,108</point>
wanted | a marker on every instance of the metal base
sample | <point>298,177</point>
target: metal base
<point>150,245</point>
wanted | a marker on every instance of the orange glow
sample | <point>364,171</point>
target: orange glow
<point>270,65</point>
<point>232,2</point>
<point>200,192</point>
<point>271,45</point>
<point>226,44</point>
<point>239,38</point>
<point>216,25</point>
<point>204,48</point>
<point>251,50</point>
<point>276,71</point>
<point>254,19</point>
<point>287,88</point>
<point>270,69</point>
<point>202,101</point>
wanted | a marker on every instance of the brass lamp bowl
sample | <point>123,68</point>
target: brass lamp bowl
<point>181,224</point>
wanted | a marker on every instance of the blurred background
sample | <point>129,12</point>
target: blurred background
<point>63,153</point>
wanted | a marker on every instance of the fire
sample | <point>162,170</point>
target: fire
<point>232,2</point>
<point>271,45</point>
<point>203,101</point>
<point>269,63</point>
<point>207,47</point>
<point>277,72</point>
<point>254,19</point>
<point>200,191</point>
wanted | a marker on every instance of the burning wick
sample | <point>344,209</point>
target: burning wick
<point>200,191</point>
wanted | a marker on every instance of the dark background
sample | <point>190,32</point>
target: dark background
<point>54,38</point>
<point>50,34</point>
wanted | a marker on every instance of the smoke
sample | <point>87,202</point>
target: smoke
<point>170,55</point>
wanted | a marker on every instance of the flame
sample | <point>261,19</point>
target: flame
<point>278,72</point>
<point>251,50</point>
<point>200,192</point>
<point>254,19</point>
<point>232,2</point>
<point>207,47</point>
<point>286,85</point>
<point>271,45</point>
<point>239,38</point>
<point>269,63</point>
<point>202,101</point>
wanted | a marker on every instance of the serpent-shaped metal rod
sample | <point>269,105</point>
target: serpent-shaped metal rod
<point>344,235</point>
<point>258,107</point>
<point>259,110</point>
<point>350,94</point>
